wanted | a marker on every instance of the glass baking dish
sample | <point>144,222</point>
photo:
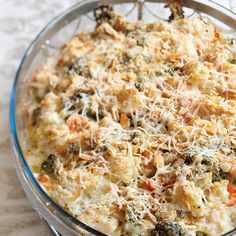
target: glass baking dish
<point>80,18</point>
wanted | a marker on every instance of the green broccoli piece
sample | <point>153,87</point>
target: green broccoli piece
<point>50,165</point>
<point>79,66</point>
<point>74,148</point>
<point>103,13</point>
<point>176,8</point>
<point>35,115</point>
<point>168,228</point>
<point>217,176</point>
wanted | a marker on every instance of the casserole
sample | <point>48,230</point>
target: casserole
<point>50,210</point>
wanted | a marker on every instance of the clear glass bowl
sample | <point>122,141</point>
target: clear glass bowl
<point>80,18</point>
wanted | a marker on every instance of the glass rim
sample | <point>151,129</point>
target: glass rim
<point>13,128</point>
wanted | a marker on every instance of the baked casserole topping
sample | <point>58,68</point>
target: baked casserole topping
<point>133,128</point>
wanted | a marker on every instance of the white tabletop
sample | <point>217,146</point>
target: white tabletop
<point>20,20</point>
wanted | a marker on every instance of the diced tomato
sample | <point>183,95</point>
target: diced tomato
<point>120,27</point>
<point>232,195</point>
<point>198,52</point>
<point>149,185</point>
<point>216,37</point>
<point>231,189</point>
<point>43,179</point>
<point>198,49</point>
<point>229,204</point>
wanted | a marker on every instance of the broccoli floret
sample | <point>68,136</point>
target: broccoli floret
<point>51,164</point>
<point>79,66</point>
<point>132,221</point>
<point>180,213</point>
<point>132,215</point>
<point>176,8</point>
<point>73,103</point>
<point>217,176</point>
<point>35,115</point>
<point>102,14</point>
<point>168,228</point>
<point>74,148</point>
<point>199,155</point>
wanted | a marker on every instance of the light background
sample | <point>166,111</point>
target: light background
<point>20,21</point>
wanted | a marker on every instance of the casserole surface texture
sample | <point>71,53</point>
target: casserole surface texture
<point>132,127</point>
